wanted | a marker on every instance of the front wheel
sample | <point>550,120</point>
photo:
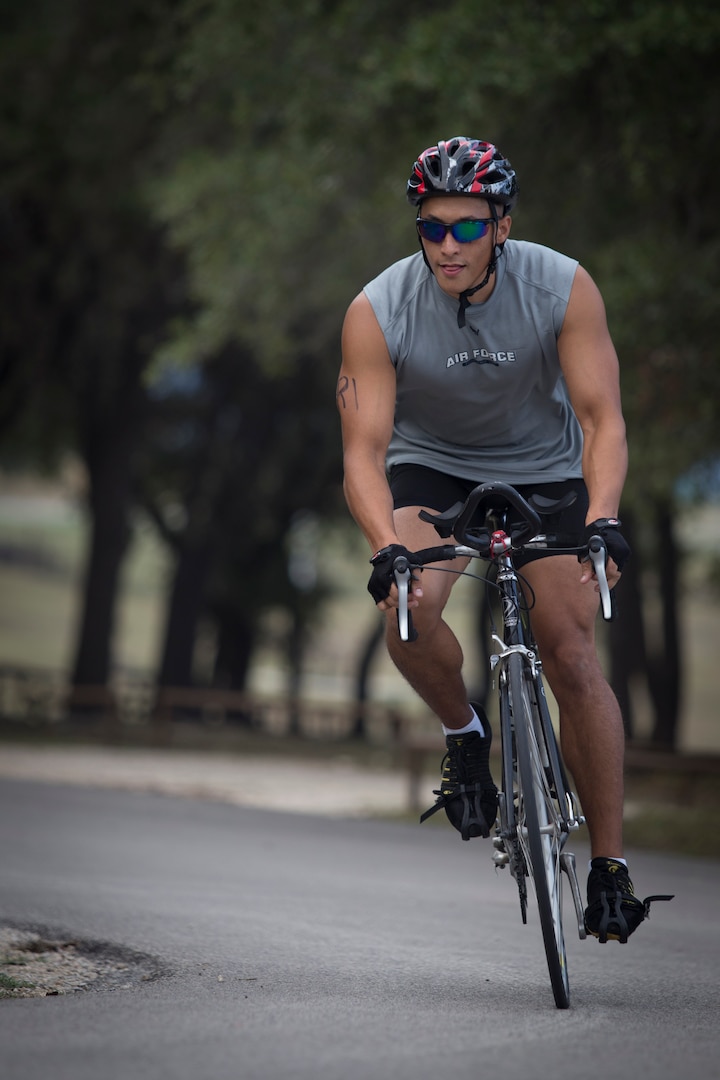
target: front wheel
<point>539,828</point>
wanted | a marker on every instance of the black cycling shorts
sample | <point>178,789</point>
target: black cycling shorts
<point>417,485</point>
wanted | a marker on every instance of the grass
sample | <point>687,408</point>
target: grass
<point>8,984</point>
<point>685,830</point>
<point>42,543</point>
<point>673,810</point>
<point>41,552</point>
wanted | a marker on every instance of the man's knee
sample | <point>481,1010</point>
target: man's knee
<point>572,663</point>
<point>426,619</point>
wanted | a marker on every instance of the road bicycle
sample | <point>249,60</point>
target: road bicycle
<point>537,809</point>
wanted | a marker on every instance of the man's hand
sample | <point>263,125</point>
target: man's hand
<point>618,549</point>
<point>382,586</point>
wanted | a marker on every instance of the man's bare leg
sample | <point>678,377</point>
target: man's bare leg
<point>433,666</point>
<point>591,728</point>
<point>563,621</point>
<point>433,663</point>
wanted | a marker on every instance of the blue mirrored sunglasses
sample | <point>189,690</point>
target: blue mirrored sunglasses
<point>462,231</point>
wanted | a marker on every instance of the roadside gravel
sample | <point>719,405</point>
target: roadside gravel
<point>35,962</point>
<point>328,788</point>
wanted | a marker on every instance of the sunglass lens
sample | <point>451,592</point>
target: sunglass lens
<point>467,231</point>
<point>432,231</point>
<point>463,231</point>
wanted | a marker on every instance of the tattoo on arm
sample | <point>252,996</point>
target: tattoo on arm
<point>347,393</point>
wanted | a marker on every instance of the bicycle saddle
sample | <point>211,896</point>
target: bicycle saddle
<point>543,505</point>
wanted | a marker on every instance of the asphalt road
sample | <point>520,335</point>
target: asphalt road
<point>292,947</point>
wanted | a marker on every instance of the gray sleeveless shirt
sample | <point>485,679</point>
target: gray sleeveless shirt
<point>489,401</point>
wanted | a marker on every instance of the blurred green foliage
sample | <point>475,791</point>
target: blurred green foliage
<point>204,184</point>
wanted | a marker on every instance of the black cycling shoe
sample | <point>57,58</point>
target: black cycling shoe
<point>614,912</point>
<point>467,793</point>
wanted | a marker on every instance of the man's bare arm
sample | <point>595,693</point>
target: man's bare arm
<point>366,403</point>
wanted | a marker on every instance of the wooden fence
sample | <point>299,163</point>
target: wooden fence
<point>39,698</point>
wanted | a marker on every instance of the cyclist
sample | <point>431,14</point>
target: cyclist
<point>483,358</point>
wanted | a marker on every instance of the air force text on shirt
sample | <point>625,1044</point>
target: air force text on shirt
<point>481,356</point>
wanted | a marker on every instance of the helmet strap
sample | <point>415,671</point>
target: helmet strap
<point>464,297</point>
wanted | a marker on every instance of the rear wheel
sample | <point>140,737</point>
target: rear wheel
<point>540,831</point>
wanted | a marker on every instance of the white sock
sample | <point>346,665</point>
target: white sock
<point>475,724</point>
<point>614,859</point>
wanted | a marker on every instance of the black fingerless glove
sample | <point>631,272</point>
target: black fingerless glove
<point>609,529</point>
<point>382,577</point>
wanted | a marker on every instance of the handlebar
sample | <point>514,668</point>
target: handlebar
<point>456,521</point>
<point>595,550</point>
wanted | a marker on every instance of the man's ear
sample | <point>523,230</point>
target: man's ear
<point>503,228</point>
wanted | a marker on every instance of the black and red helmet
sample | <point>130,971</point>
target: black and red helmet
<point>464,167</point>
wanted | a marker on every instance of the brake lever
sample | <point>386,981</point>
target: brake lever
<point>598,556</point>
<point>403,577</point>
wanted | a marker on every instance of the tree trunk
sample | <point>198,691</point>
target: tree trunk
<point>626,638</point>
<point>362,678</point>
<point>665,672</point>
<point>236,639</point>
<point>295,652</point>
<point>109,501</point>
<point>235,643</point>
<point>185,606</point>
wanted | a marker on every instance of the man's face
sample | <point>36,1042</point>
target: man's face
<point>459,266</point>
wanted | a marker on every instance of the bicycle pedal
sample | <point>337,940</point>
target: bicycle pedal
<point>500,856</point>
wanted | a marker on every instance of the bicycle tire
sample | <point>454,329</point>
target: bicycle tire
<point>507,803</point>
<point>562,793</point>
<point>539,830</point>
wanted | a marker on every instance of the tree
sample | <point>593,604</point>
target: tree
<point>96,282</point>
<point>615,159</point>
<point>243,168</point>
<point>233,456</point>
